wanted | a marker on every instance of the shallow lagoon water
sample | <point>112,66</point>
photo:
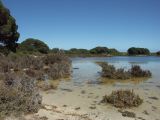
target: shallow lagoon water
<point>89,70</point>
<point>84,91</point>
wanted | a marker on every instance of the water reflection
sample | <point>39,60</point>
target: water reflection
<point>87,71</point>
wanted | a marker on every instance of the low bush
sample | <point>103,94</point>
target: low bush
<point>52,65</point>
<point>109,71</point>
<point>136,71</point>
<point>18,94</point>
<point>18,85</point>
<point>123,99</point>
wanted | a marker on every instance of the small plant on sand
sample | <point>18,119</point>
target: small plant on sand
<point>123,99</point>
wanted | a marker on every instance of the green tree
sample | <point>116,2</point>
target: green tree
<point>113,51</point>
<point>138,51</point>
<point>158,53</point>
<point>8,29</point>
<point>99,50</point>
<point>33,45</point>
<point>77,51</point>
<point>55,50</point>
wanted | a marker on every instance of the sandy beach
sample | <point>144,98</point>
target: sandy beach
<point>83,103</point>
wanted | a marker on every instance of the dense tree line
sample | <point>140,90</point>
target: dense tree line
<point>138,51</point>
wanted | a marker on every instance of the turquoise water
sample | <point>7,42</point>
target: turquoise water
<point>88,70</point>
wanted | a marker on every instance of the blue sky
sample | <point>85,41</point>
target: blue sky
<point>88,23</point>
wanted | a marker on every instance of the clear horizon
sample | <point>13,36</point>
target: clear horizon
<point>66,24</point>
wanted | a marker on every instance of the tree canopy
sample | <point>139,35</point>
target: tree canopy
<point>99,50</point>
<point>104,50</point>
<point>77,51</point>
<point>8,29</point>
<point>158,53</point>
<point>33,45</point>
<point>138,51</point>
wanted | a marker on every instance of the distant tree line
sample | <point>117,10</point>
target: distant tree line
<point>94,51</point>
<point>35,46</point>
<point>138,51</point>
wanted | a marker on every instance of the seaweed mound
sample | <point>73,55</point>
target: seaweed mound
<point>123,99</point>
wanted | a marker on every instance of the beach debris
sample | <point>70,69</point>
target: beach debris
<point>66,89</point>
<point>154,107</point>
<point>123,99</point>
<point>43,118</point>
<point>158,86</point>
<point>154,98</point>
<point>77,108</point>
<point>83,92</point>
<point>92,107</point>
<point>64,105</point>
<point>128,114</point>
<point>145,112</point>
<point>141,118</point>
<point>76,68</point>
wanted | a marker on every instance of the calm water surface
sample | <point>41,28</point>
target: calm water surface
<point>88,70</point>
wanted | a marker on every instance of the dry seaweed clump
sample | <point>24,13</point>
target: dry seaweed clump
<point>123,99</point>
<point>136,71</point>
<point>18,94</point>
<point>109,71</point>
